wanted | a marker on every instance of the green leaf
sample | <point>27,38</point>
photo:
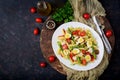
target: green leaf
<point>71,17</point>
<point>66,20</point>
<point>79,60</point>
<point>60,45</point>
<point>94,55</point>
<point>69,31</point>
<point>65,13</point>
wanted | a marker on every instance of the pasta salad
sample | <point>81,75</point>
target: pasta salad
<point>77,45</point>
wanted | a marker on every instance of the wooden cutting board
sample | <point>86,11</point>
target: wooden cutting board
<point>46,45</point>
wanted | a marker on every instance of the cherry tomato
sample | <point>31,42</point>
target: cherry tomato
<point>68,40</point>
<point>51,58</point>
<point>38,20</point>
<point>83,33</point>
<point>108,33</point>
<point>86,15</point>
<point>88,53</point>
<point>84,51</point>
<point>71,57</point>
<point>92,58</point>
<point>36,31</point>
<point>84,62</point>
<point>74,33</point>
<point>42,64</point>
<point>64,46</point>
<point>33,10</point>
<point>78,32</point>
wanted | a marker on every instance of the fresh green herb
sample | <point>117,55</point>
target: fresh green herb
<point>94,55</point>
<point>69,31</point>
<point>63,14</point>
<point>60,45</point>
<point>74,46</point>
<point>93,50</point>
<point>79,60</point>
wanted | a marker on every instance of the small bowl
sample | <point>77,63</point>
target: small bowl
<point>50,24</point>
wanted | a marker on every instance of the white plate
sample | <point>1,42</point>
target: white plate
<point>66,62</point>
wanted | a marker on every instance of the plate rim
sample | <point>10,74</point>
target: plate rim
<point>86,26</point>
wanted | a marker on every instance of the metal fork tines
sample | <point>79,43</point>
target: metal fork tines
<point>102,34</point>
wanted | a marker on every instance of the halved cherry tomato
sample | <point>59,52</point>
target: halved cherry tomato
<point>92,58</point>
<point>64,46</point>
<point>71,56</point>
<point>84,62</point>
<point>68,40</point>
<point>78,32</point>
<point>74,33</point>
<point>84,51</point>
<point>87,53</point>
<point>83,33</point>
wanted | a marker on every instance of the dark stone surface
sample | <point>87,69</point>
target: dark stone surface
<point>20,52</point>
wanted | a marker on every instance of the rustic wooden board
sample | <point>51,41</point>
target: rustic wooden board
<point>46,45</point>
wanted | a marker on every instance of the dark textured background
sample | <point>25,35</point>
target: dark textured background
<point>20,52</point>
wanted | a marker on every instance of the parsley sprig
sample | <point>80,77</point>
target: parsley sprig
<point>63,14</point>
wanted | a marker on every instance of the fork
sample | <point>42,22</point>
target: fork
<point>102,34</point>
